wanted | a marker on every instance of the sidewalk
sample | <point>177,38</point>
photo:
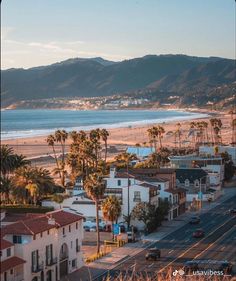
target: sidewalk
<point>87,273</point>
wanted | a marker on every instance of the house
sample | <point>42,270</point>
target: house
<point>48,245</point>
<point>11,266</point>
<point>211,164</point>
<point>217,150</point>
<point>144,185</point>
<point>196,181</point>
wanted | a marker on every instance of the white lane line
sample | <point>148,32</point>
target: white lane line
<point>151,265</point>
<point>170,251</point>
<point>195,244</point>
<point>223,248</point>
<point>186,240</point>
<point>172,240</point>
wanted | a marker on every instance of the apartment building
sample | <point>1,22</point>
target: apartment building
<point>48,245</point>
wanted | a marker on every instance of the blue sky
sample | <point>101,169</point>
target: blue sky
<point>41,32</point>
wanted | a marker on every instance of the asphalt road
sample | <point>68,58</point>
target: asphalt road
<point>178,247</point>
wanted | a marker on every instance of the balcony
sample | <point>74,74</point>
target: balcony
<point>52,261</point>
<point>37,268</point>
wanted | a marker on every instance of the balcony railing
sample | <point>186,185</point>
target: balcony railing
<point>63,256</point>
<point>37,268</point>
<point>51,261</point>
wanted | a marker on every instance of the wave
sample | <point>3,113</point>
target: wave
<point>8,135</point>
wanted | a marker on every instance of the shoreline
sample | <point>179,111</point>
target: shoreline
<point>36,147</point>
<point>27,134</point>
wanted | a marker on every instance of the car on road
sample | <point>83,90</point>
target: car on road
<point>198,233</point>
<point>195,220</point>
<point>232,212</point>
<point>153,254</point>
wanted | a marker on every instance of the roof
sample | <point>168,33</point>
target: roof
<point>140,151</point>
<point>63,218</point>
<point>4,244</point>
<point>148,185</point>
<point>12,217</point>
<point>191,174</point>
<point>40,223</point>
<point>10,263</point>
<point>173,191</point>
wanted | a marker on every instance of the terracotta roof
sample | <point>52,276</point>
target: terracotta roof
<point>10,263</point>
<point>12,217</point>
<point>40,223</point>
<point>63,218</point>
<point>4,244</point>
<point>145,184</point>
<point>173,191</point>
<point>166,170</point>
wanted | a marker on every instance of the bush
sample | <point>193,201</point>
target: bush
<point>26,209</point>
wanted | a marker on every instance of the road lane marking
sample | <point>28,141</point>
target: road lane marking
<point>151,265</point>
<point>194,245</point>
<point>223,248</point>
<point>172,240</point>
<point>170,251</point>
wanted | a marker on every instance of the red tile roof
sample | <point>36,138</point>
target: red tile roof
<point>40,223</point>
<point>63,218</point>
<point>10,263</point>
<point>4,244</point>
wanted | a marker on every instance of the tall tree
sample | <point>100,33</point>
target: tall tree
<point>95,187</point>
<point>104,135</point>
<point>111,209</point>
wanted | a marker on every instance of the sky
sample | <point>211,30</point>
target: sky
<point>42,32</point>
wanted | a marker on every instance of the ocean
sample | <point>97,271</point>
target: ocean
<point>39,122</point>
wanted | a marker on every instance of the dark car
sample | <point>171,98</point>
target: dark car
<point>199,233</point>
<point>194,220</point>
<point>86,228</point>
<point>153,254</point>
<point>232,212</point>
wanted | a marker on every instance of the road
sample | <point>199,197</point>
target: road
<point>178,247</point>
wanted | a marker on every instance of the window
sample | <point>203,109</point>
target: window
<point>35,260</point>
<point>11,272</point>
<point>49,254</point>
<point>48,232</point>
<point>196,183</point>
<point>119,182</point>
<point>137,196</point>
<point>41,234</point>
<point>8,252</point>
<point>17,239</point>
<point>74,263</point>
<point>76,226</point>
<point>77,245</point>
<point>186,183</point>
<point>63,230</point>
<point>69,228</point>
<point>71,244</point>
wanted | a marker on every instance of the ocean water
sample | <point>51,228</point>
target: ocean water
<point>28,123</point>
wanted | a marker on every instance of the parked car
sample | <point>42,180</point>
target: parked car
<point>153,254</point>
<point>194,220</point>
<point>86,228</point>
<point>199,233</point>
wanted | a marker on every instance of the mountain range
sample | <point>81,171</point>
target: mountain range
<point>195,79</point>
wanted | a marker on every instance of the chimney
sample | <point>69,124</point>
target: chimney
<point>51,220</point>
<point>112,171</point>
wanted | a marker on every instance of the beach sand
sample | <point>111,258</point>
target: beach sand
<point>35,147</point>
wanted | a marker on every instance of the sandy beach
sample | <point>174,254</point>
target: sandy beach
<point>36,147</point>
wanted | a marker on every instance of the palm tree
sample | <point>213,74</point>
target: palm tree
<point>152,134</point>
<point>111,209</point>
<point>94,136</point>
<point>126,158</point>
<point>9,163</point>
<point>95,186</point>
<point>33,191</point>
<point>32,177</point>
<point>51,142</point>
<point>61,137</point>
<point>160,131</point>
<point>104,135</point>
<point>178,133</point>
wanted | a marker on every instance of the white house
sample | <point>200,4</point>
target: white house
<point>11,266</point>
<point>49,245</point>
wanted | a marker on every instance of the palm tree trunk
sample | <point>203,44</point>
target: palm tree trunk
<point>97,225</point>
<point>105,152</point>
<point>56,159</point>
